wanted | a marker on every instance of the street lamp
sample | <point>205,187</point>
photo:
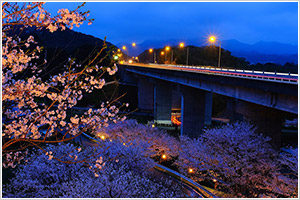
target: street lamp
<point>212,39</point>
<point>181,45</point>
<point>154,54</point>
<point>133,44</point>
<point>163,53</point>
<point>171,57</point>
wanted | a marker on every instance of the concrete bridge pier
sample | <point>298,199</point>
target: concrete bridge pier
<point>231,110</point>
<point>145,94</point>
<point>196,111</point>
<point>268,121</point>
<point>162,102</point>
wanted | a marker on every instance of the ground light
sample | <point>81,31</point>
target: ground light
<point>102,137</point>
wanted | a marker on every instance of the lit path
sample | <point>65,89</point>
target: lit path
<point>260,75</point>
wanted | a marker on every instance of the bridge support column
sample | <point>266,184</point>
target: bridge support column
<point>268,121</point>
<point>162,102</point>
<point>231,110</point>
<point>145,95</point>
<point>196,110</point>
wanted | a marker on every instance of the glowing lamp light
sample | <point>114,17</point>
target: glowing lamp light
<point>162,53</point>
<point>136,58</point>
<point>212,39</point>
<point>167,48</point>
<point>124,143</point>
<point>214,180</point>
<point>130,61</point>
<point>153,125</point>
<point>150,50</point>
<point>181,45</point>
<point>124,47</point>
<point>164,156</point>
<point>191,170</point>
<point>102,137</point>
<point>116,57</point>
<point>119,50</point>
<point>133,44</point>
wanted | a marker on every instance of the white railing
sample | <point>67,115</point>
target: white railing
<point>278,76</point>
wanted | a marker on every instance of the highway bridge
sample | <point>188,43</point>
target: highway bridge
<point>259,96</point>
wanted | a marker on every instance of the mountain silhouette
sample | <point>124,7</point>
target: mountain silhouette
<point>260,52</point>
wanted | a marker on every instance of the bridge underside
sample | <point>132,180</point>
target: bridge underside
<point>262,106</point>
<point>273,94</point>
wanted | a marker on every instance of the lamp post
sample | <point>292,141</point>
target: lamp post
<point>163,53</point>
<point>181,45</point>
<point>212,39</point>
<point>126,50</point>
<point>133,44</point>
<point>167,49</point>
<point>154,54</point>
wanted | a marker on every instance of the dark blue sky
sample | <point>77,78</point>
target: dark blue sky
<point>247,22</point>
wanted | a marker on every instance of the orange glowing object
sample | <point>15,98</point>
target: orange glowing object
<point>102,137</point>
<point>181,45</point>
<point>212,39</point>
<point>164,156</point>
<point>175,121</point>
<point>167,48</point>
<point>191,170</point>
<point>162,53</point>
<point>150,50</point>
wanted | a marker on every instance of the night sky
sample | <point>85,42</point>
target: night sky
<point>247,22</point>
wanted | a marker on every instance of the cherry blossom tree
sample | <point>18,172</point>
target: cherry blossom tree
<point>35,111</point>
<point>232,158</point>
<point>123,172</point>
<point>235,159</point>
<point>156,142</point>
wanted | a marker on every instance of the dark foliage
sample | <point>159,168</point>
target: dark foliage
<point>208,56</point>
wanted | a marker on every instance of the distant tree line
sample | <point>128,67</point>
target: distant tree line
<point>208,56</point>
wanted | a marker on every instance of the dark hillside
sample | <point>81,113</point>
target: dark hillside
<point>208,56</point>
<point>59,46</point>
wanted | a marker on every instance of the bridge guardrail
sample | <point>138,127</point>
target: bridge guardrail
<point>278,76</point>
